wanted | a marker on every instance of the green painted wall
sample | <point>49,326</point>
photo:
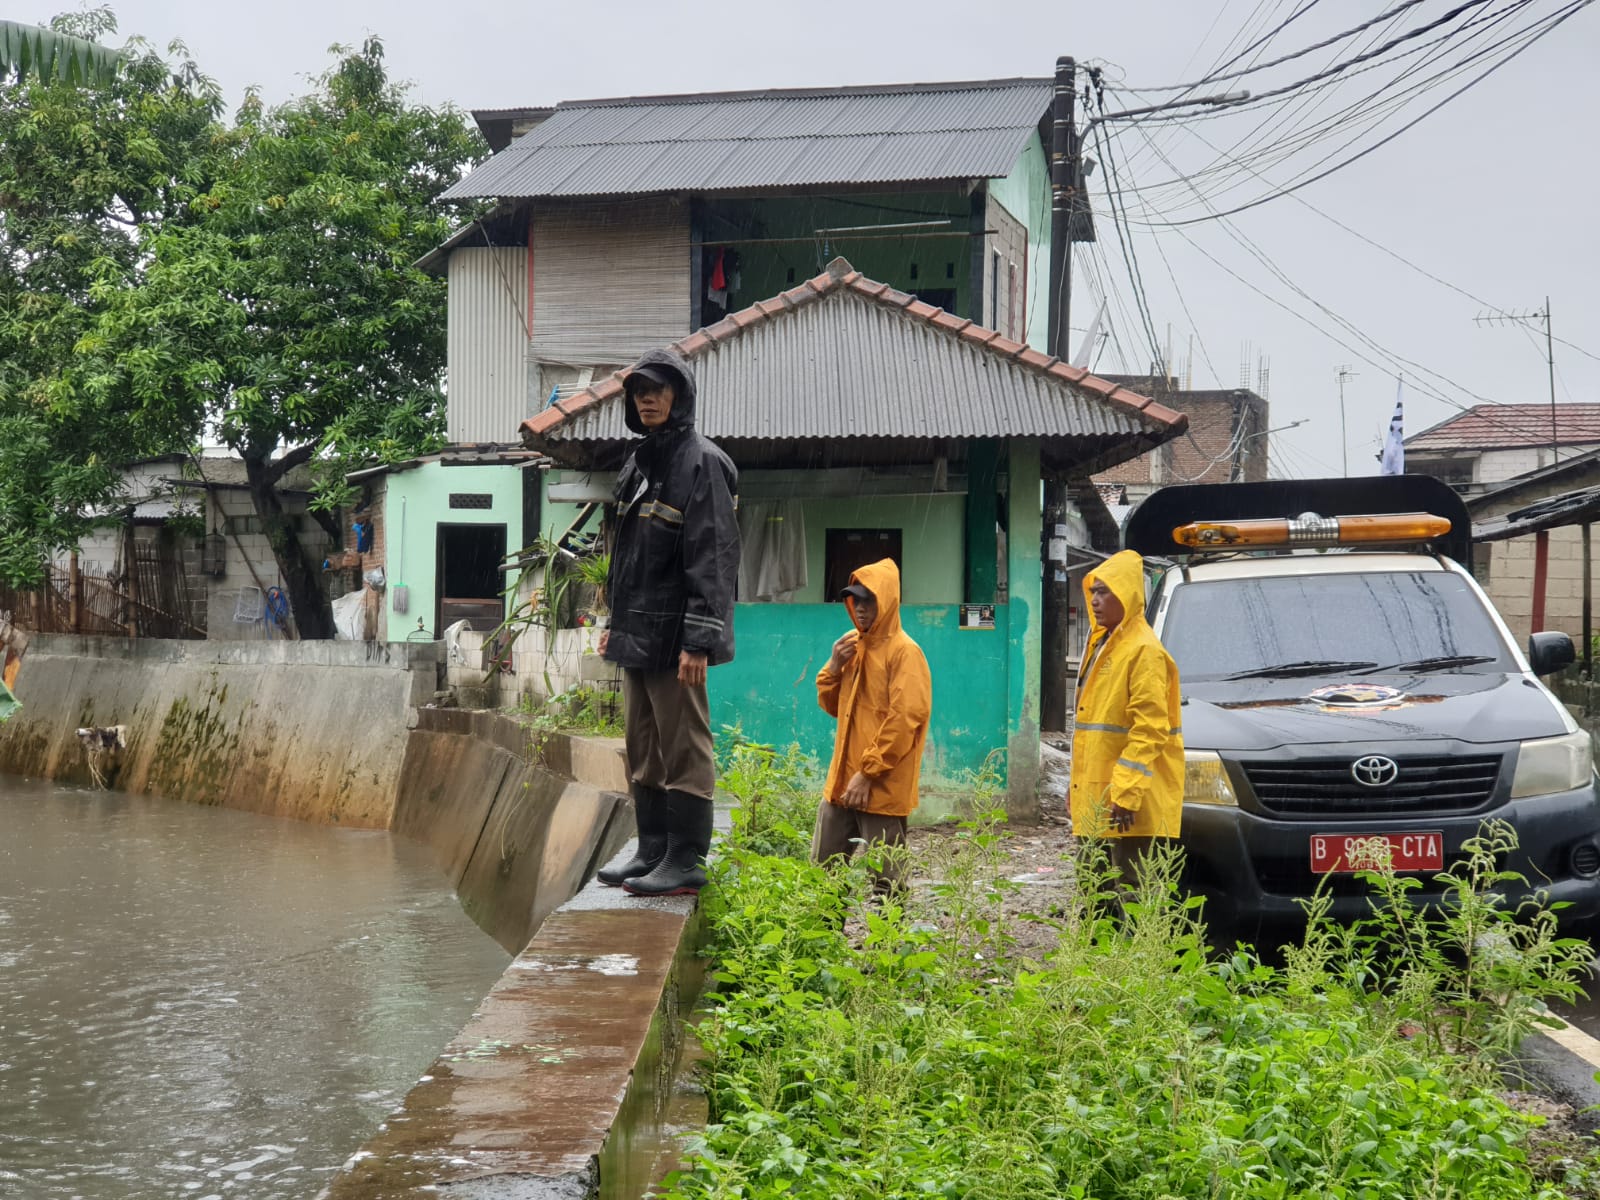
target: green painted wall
<point>1025,501</point>
<point>416,503</point>
<point>555,519</point>
<point>770,687</point>
<point>982,554</point>
<point>1026,196</point>
<point>930,542</point>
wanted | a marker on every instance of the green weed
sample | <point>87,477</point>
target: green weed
<point>923,1058</point>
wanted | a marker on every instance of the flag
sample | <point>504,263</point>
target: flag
<point>1393,457</point>
<point>1086,347</point>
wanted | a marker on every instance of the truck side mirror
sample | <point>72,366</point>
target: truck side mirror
<point>1550,652</point>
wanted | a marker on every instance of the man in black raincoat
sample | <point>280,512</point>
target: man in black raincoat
<point>674,567</point>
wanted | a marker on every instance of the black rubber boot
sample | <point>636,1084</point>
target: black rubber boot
<point>650,816</point>
<point>681,870</point>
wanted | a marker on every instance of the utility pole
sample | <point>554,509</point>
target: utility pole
<point>1344,437</point>
<point>1069,222</point>
<point>1510,318</point>
<point>1057,599</point>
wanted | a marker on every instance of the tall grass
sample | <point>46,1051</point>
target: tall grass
<point>927,1058</point>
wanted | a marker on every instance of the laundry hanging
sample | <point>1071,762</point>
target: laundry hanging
<point>772,562</point>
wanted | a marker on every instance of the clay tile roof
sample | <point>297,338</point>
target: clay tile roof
<point>1509,426</point>
<point>846,357</point>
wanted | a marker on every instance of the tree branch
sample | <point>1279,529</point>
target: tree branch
<point>279,467</point>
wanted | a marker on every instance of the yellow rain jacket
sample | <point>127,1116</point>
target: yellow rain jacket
<point>882,699</point>
<point>1127,747</point>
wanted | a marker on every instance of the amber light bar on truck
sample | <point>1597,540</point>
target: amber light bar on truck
<point>1310,530</point>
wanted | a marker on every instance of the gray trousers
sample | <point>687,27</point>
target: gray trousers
<point>838,829</point>
<point>668,734</point>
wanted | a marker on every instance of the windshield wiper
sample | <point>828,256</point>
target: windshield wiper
<point>1308,667</point>
<point>1439,662</point>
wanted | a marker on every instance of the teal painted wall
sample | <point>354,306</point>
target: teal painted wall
<point>1023,565</point>
<point>416,503</point>
<point>1026,196</point>
<point>770,686</point>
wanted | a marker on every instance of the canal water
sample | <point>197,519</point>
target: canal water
<point>196,1002</point>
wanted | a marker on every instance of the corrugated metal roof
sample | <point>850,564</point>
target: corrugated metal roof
<point>1507,426</point>
<point>844,357</point>
<point>768,139</point>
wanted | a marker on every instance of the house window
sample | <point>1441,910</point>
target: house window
<point>471,500</point>
<point>847,550</point>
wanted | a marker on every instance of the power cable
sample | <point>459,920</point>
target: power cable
<point>1295,142</point>
<point>1326,42</point>
<point>1571,11</point>
<point>1394,254</point>
<point>1300,139</point>
<point>1130,260</point>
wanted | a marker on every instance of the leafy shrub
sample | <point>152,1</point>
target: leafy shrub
<point>924,1060</point>
<point>775,794</point>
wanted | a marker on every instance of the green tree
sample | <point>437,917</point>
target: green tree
<point>84,173</point>
<point>287,318</point>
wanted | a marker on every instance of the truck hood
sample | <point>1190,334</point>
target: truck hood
<point>1254,715</point>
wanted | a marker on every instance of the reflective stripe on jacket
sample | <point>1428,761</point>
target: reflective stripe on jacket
<point>1127,744</point>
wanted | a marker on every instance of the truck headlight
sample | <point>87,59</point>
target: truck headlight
<point>1558,764</point>
<point>1205,779</point>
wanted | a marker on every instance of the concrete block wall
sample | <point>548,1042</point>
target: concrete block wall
<point>539,668</point>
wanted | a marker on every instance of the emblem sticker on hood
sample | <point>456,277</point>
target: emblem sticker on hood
<point>1358,695</point>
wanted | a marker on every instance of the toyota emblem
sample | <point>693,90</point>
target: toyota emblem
<point>1375,771</point>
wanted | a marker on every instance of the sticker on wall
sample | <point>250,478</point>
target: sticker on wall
<point>977,616</point>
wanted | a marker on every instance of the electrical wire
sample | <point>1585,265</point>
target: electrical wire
<point>1130,259</point>
<point>1571,11</point>
<point>1394,254</point>
<point>1301,53</point>
<point>1369,109</point>
<point>1394,358</point>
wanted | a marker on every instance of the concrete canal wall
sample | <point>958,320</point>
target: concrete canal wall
<point>311,730</point>
<point>332,732</point>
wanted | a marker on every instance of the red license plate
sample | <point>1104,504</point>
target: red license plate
<point>1343,853</point>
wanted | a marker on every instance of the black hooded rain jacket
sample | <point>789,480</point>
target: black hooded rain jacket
<point>675,561</point>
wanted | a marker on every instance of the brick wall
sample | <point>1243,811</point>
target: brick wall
<point>1207,453</point>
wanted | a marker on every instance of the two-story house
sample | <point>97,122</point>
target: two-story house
<point>896,403</point>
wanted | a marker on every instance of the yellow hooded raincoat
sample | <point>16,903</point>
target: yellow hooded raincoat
<point>1127,747</point>
<point>882,699</point>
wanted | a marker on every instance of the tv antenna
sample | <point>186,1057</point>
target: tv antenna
<point>1526,319</point>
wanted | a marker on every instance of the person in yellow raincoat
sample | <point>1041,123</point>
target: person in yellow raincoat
<point>1127,742</point>
<point>877,683</point>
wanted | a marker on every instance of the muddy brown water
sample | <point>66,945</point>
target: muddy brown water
<point>197,1002</point>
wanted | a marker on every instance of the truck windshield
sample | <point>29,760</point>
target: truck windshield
<point>1227,627</point>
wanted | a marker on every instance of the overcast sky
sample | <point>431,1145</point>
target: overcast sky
<point>1494,194</point>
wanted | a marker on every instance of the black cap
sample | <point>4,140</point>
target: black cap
<point>859,590</point>
<point>656,375</point>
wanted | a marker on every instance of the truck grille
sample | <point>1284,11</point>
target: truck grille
<point>1324,787</point>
